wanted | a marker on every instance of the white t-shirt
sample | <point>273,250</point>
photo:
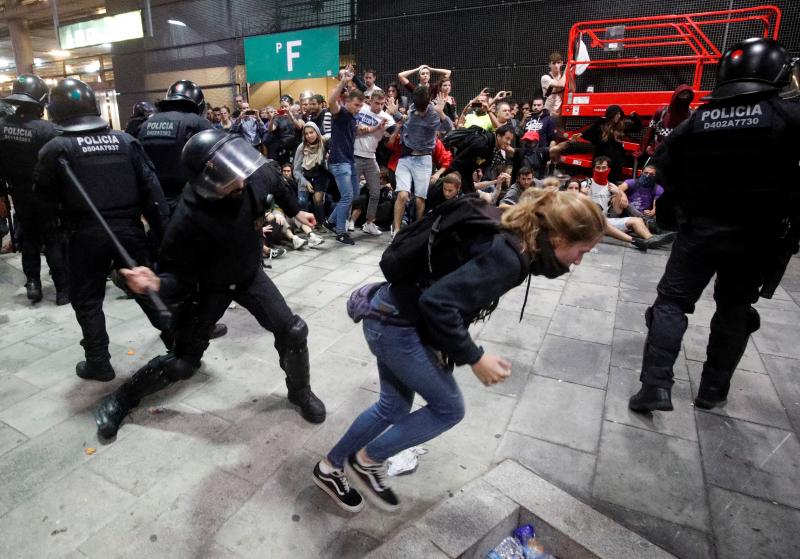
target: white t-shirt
<point>366,144</point>
<point>553,101</point>
<point>600,194</point>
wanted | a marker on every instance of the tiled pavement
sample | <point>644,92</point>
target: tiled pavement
<point>218,467</point>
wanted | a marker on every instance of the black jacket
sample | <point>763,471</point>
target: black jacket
<point>444,311</point>
<point>218,244</point>
<point>116,174</point>
<point>21,139</point>
<point>163,136</point>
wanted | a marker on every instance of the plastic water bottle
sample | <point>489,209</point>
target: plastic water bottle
<point>509,548</point>
<point>531,547</point>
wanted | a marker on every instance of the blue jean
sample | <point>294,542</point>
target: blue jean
<point>405,367</point>
<point>302,199</point>
<point>347,183</point>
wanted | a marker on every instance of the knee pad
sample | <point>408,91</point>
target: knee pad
<point>177,369</point>
<point>296,335</point>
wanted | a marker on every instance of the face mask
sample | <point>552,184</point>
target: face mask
<point>600,177</point>
<point>647,181</point>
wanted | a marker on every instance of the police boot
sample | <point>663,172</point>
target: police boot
<point>95,370</point>
<point>62,297</point>
<point>714,386</point>
<point>217,331</point>
<point>294,362</point>
<point>34,290</point>
<point>651,398</point>
<point>114,407</point>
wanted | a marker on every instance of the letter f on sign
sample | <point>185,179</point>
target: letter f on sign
<point>290,54</point>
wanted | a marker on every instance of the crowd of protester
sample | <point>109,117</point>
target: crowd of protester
<point>377,156</point>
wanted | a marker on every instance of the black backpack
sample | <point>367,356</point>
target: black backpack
<point>459,138</point>
<point>448,232</point>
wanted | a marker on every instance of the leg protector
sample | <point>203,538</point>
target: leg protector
<point>731,327</point>
<point>157,374</point>
<point>666,322</point>
<point>292,348</point>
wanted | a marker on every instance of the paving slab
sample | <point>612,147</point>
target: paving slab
<point>504,327</point>
<point>753,459</point>
<point>752,397</point>
<point>574,361</point>
<point>748,526</point>
<point>630,460</point>
<point>784,374</point>
<point>590,295</point>
<point>627,348</point>
<point>560,412</point>
<point>583,324</point>
<point>55,522</point>
<point>548,460</point>
<point>624,383</point>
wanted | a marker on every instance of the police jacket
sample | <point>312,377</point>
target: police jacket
<point>134,124</point>
<point>218,243</point>
<point>116,174</point>
<point>735,160</point>
<point>21,138</point>
<point>163,136</point>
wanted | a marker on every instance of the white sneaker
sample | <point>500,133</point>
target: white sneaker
<point>314,240</point>
<point>351,225</point>
<point>370,229</point>
<point>298,242</point>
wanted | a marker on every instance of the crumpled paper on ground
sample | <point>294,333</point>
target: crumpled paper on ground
<point>406,461</point>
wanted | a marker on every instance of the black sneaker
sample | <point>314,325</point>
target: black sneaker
<point>639,243</point>
<point>345,239</point>
<point>329,227</point>
<point>657,241</point>
<point>217,331</point>
<point>338,487</point>
<point>371,479</point>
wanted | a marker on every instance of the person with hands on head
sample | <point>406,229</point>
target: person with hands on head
<point>418,333</point>
<point>213,252</point>
<point>424,74</point>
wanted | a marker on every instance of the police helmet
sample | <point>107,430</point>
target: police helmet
<point>752,66</point>
<point>143,108</point>
<point>28,88</point>
<point>216,162</point>
<point>73,107</point>
<point>184,95</point>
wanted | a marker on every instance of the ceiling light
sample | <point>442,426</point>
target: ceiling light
<point>176,22</point>
<point>100,11</point>
<point>92,67</point>
<point>106,45</point>
<point>4,78</point>
<point>38,62</point>
<point>59,53</point>
<point>4,62</point>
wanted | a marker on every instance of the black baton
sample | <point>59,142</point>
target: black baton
<point>154,297</point>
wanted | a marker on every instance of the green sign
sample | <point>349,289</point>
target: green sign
<point>109,29</point>
<point>294,55</point>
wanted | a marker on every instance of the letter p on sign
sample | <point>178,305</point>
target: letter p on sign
<point>291,54</point>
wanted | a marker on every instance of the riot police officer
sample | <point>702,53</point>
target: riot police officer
<point>730,222</point>
<point>141,112</point>
<point>214,243</point>
<point>22,135</point>
<point>164,134</point>
<point>120,180</point>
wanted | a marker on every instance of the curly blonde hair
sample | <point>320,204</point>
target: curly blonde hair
<point>575,219</point>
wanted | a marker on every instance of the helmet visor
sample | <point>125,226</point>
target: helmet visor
<point>230,165</point>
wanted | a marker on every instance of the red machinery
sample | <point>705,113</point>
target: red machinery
<point>688,45</point>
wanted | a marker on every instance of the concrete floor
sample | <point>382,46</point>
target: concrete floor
<point>219,466</point>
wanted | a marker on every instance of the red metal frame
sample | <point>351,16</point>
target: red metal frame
<point>681,31</point>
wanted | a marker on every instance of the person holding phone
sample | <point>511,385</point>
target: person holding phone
<point>248,125</point>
